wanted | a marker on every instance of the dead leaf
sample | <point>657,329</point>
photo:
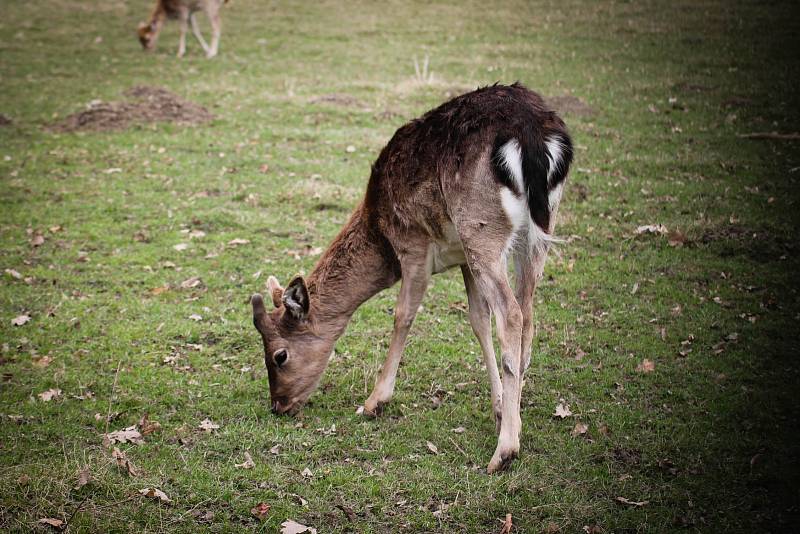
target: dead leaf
<point>20,320</point>
<point>147,426</point>
<point>42,361</point>
<point>248,462</point>
<point>551,528</point>
<point>276,449</point>
<point>562,411</point>
<point>49,395</point>
<point>592,529</point>
<point>23,480</point>
<point>264,168</point>
<point>52,522</point>
<point>580,429</point>
<point>238,241</point>
<point>292,527</point>
<point>196,234</point>
<point>647,366</point>
<point>159,290</point>
<point>156,494</point>
<point>507,525</point>
<point>638,504</point>
<point>83,256</point>
<point>180,247</point>
<point>432,447</point>
<point>13,274</point>
<point>123,462</point>
<point>207,425</point>
<point>192,282</point>
<point>459,430</point>
<point>676,239</point>
<point>658,229</point>
<point>126,435</point>
<point>195,317</point>
<point>37,240</point>
<point>84,477</point>
<point>260,510</point>
<point>307,473</point>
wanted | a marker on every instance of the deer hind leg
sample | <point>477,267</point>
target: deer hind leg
<point>486,261</point>
<point>480,318</point>
<point>197,34</point>
<point>183,18</point>
<point>528,273</point>
<point>415,277</point>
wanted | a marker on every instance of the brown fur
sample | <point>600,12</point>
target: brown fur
<point>433,201</point>
<point>183,11</point>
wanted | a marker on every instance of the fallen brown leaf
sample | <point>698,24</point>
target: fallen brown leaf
<point>192,282</point>
<point>13,274</point>
<point>307,473</point>
<point>84,477</point>
<point>293,527</point>
<point>507,525</point>
<point>52,522</point>
<point>207,425</point>
<point>20,320</point>
<point>147,426</point>
<point>156,494</point>
<point>126,435</point>
<point>260,510</point>
<point>646,366</point>
<point>562,411</point>
<point>238,241</point>
<point>579,430</point>
<point>248,462</point>
<point>49,395</point>
<point>123,462</point>
<point>432,447</point>
<point>623,500</point>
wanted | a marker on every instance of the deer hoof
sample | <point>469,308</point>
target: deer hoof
<point>501,460</point>
<point>373,410</point>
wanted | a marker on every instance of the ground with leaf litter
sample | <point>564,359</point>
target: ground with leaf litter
<point>662,394</point>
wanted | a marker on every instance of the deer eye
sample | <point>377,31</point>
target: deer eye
<point>280,357</point>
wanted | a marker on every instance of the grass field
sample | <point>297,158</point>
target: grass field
<point>700,436</point>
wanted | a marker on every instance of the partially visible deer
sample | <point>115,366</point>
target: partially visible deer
<point>472,183</point>
<point>184,11</point>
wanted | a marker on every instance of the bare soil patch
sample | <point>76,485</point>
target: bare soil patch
<point>337,99</point>
<point>143,105</point>
<point>570,105</point>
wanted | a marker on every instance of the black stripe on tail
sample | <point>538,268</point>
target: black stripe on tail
<point>535,169</point>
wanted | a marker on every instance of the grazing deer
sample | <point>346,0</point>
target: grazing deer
<point>184,11</point>
<point>473,183</point>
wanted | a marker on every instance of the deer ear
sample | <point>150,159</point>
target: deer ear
<point>295,298</point>
<point>275,291</point>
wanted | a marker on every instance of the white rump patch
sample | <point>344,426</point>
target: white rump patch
<point>516,206</point>
<point>554,154</point>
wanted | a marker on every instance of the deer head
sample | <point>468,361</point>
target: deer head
<point>147,34</point>
<point>295,352</point>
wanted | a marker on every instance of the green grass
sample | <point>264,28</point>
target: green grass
<point>709,439</point>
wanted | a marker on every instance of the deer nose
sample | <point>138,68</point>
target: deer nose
<point>279,407</point>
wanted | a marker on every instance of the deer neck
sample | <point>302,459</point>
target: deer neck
<point>358,264</point>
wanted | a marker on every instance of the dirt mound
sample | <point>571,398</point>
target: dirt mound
<point>337,99</point>
<point>144,105</point>
<point>570,105</point>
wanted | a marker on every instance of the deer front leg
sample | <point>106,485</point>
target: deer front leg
<point>415,276</point>
<point>492,282</point>
<point>480,318</point>
<point>184,26</point>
